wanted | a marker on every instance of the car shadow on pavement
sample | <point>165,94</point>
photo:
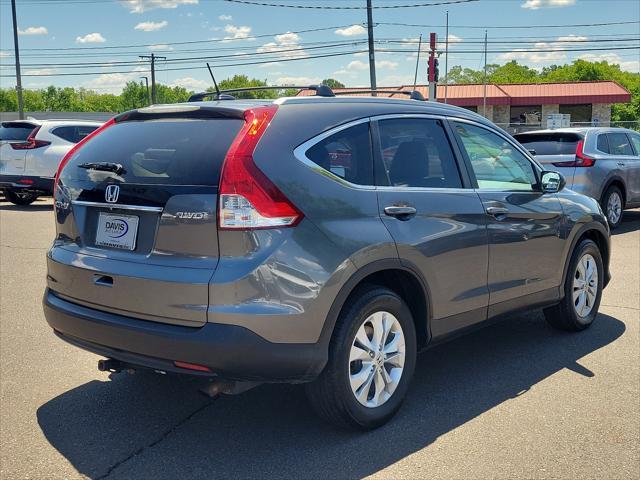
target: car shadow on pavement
<point>630,222</point>
<point>36,206</point>
<point>152,426</point>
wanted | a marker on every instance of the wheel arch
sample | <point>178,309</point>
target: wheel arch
<point>396,276</point>
<point>598,233</point>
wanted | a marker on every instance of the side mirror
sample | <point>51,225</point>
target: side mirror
<point>552,182</point>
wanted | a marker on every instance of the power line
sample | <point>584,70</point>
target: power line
<point>518,27</point>
<point>327,7</point>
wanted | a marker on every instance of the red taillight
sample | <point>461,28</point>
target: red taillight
<point>75,148</point>
<point>248,199</point>
<point>191,366</point>
<point>30,143</point>
<point>582,160</point>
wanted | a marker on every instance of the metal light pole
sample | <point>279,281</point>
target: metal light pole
<point>146,80</point>
<point>446,59</point>
<point>484,95</point>
<point>17,54</point>
<point>372,58</point>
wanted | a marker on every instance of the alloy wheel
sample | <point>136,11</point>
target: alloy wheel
<point>585,285</point>
<point>376,359</point>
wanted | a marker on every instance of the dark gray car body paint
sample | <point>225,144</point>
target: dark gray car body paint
<point>287,286</point>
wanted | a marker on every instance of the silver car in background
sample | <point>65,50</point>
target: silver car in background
<point>603,163</point>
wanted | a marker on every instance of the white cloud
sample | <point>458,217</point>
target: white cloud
<point>542,52</point>
<point>396,80</point>
<point>225,18</point>
<point>351,31</point>
<point>41,71</point>
<point>4,54</point>
<point>114,82</point>
<point>613,58</point>
<point>160,46</point>
<point>91,38</point>
<point>151,26</point>
<point>191,83</point>
<point>536,4</point>
<point>297,80</point>
<point>357,65</point>
<point>140,6</point>
<point>237,33</point>
<point>33,31</point>
<point>453,39</point>
<point>286,44</point>
<point>386,64</point>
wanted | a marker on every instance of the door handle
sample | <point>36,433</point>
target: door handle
<point>400,212</point>
<point>103,280</point>
<point>497,211</point>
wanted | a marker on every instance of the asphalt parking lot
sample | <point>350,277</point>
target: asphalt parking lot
<point>516,399</point>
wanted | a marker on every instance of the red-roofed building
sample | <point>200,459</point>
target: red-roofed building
<point>522,105</point>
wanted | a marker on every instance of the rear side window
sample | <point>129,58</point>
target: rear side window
<point>603,144</point>
<point>619,144</point>
<point>557,143</point>
<point>346,154</point>
<point>15,130</point>
<point>416,153</point>
<point>172,152</point>
<point>73,133</point>
<point>635,139</point>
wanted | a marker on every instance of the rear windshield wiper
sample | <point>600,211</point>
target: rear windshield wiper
<point>104,167</point>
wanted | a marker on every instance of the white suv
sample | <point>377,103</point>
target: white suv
<point>30,152</point>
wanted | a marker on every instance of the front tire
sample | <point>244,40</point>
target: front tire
<point>613,206</point>
<point>372,356</point>
<point>582,290</point>
<point>20,197</point>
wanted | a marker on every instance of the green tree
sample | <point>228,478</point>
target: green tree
<point>332,83</point>
<point>243,81</point>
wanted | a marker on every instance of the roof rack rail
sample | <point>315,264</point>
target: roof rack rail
<point>413,94</point>
<point>321,91</point>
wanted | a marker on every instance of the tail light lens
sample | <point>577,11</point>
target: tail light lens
<point>31,143</point>
<point>75,148</point>
<point>248,199</point>
<point>582,160</point>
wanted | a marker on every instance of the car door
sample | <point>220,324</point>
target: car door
<point>633,167</point>
<point>524,225</point>
<point>438,225</point>
<point>620,147</point>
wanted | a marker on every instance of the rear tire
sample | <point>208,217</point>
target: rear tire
<point>22,197</point>
<point>582,290</point>
<point>335,394</point>
<point>613,206</point>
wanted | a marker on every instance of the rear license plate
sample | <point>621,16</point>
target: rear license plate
<point>117,231</point>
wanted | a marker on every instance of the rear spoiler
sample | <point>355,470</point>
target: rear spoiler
<point>178,110</point>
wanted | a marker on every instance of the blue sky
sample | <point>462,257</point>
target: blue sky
<point>88,30</point>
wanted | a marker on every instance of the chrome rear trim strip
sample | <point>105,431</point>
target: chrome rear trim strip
<point>120,206</point>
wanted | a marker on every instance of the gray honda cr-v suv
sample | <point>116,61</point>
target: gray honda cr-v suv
<point>320,240</point>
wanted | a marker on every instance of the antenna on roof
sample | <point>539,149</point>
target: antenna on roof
<point>215,84</point>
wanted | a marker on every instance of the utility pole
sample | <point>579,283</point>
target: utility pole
<point>17,55</point>
<point>372,58</point>
<point>484,95</point>
<point>433,67</point>
<point>146,80</point>
<point>415,77</point>
<point>446,59</point>
<point>153,57</point>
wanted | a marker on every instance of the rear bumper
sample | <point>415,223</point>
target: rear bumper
<point>230,351</point>
<point>26,182</point>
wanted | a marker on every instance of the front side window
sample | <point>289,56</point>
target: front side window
<point>346,154</point>
<point>416,153</point>
<point>619,144</point>
<point>496,163</point>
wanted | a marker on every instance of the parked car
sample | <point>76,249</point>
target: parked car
<point>30,152</point>
<point>603,163</point>
<point>317,240</point>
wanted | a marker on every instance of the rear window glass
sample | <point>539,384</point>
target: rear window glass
<point>73,133</point>
<point>171,152</point>
<point>15,130</point>
<point>550,143</point>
